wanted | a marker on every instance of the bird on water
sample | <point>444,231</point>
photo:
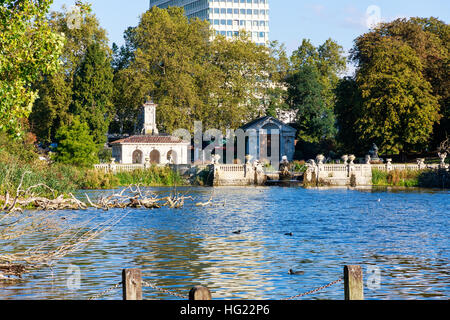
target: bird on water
<point>237,232</point>
<point>297,273</point>
<point>289,234</point>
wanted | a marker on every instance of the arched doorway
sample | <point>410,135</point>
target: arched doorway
<point>137,157</point>
<point>155,157</point>
<point>172,157</point>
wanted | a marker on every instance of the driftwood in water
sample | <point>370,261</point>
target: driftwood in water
<point>12,269</point>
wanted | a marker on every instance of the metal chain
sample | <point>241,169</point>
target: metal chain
<point>153,286</point>
<point>101,294</point>
<point>315,290</point>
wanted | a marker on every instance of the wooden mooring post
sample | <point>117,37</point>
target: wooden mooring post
<point>353,283</point>
<point>200,293</point>
<point>132,284</point>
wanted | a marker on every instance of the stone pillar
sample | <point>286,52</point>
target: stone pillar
<point>260,176</point>
<point>351,165</point>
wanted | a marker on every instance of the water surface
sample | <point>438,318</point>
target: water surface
<point>403,233</point>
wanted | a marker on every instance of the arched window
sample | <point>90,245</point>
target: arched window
<point>155,157</point>
<point>137,157</point>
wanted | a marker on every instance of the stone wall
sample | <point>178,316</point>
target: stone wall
<point>237,174</point>
<point>347,174</point>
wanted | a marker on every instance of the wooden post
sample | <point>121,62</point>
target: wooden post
<point>199,293</point>
<point>353,283</point>
<point>132,284</point>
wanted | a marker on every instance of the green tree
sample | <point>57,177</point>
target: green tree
<point>313,77</point>
<point>51,109</point>
<point>129,85</point>
<point>75,145</point>
<point>398,108</point>
<point>28,48</point>
<point>429,38</point>
<point>315,120</point>
<point>194,77</point>
<point>348,110</point>
<point>92,91</point>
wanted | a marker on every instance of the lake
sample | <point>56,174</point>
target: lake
<point>404,234</point>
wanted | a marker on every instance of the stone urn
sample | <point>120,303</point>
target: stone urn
<point>351,158</point>
<point>442,156</point>
<point>345,159</point>
<point>285,167</point>
<point>320,158</point>
<point>112,160</point>
<point>421,163</point>
<point>368,159</point>
<point>248,158</point>
<point>216,159</point>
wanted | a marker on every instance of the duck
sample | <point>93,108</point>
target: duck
<point>237,232</point>
<point>297,273</point>
<point>289,234</point>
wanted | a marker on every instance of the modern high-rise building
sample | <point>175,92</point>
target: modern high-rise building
<point>227,17</point>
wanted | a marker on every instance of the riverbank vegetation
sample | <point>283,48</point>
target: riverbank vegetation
<point>19,162</point>
<point>412,178</point>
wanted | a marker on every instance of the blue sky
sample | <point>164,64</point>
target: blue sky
<point>290,20</point>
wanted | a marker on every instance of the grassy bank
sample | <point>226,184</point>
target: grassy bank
<point>19,163</point>
<point>412,178</point>
<point>65,179</point>
<point>397,178</point>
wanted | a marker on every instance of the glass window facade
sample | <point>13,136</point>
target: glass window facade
<point>227,17</point>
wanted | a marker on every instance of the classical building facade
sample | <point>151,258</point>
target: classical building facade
<point>149,146</point>
<point>269,139</point>
<point>227,17</point>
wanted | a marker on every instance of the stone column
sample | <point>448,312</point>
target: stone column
<point>319,160</point>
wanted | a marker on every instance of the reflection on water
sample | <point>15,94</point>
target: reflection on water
<point>405,234</point>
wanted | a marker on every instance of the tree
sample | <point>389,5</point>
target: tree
<point>92,90</point>
<point>75,145</point>
<point>313,77</point>
<point>429,38</point>
<point>51,109</point>
<point>398,108</point>
<point>28,48</point>
<point>347,111</point>
<point>314,119</point>
<point>192,75</point>
<point>129,85</point>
